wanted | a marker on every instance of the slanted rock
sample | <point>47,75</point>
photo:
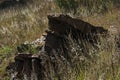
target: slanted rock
<point>56,52</point>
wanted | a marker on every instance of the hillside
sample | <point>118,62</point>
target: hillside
<point>25,21</point>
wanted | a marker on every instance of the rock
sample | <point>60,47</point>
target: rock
<point>56,50</point>
<point>65,23</point>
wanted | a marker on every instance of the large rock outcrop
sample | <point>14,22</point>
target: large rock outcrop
<point>53,57</point>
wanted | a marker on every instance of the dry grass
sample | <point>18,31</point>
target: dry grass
<point>105,61</point>
<point>18,25</point>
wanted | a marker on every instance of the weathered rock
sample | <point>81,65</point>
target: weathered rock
<point>56,53</point>
<point>65,23</point>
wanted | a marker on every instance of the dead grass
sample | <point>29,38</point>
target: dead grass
<point>28,24</point>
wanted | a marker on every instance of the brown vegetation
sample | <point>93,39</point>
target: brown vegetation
<point>21,24</point>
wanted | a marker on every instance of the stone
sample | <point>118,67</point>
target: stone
<point>57,47</point>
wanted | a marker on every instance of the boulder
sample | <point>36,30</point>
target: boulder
<point>57,48</point>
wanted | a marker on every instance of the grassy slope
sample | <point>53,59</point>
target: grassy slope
<point>27,24</point>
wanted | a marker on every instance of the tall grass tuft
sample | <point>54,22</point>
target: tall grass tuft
<point>104,61</point>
